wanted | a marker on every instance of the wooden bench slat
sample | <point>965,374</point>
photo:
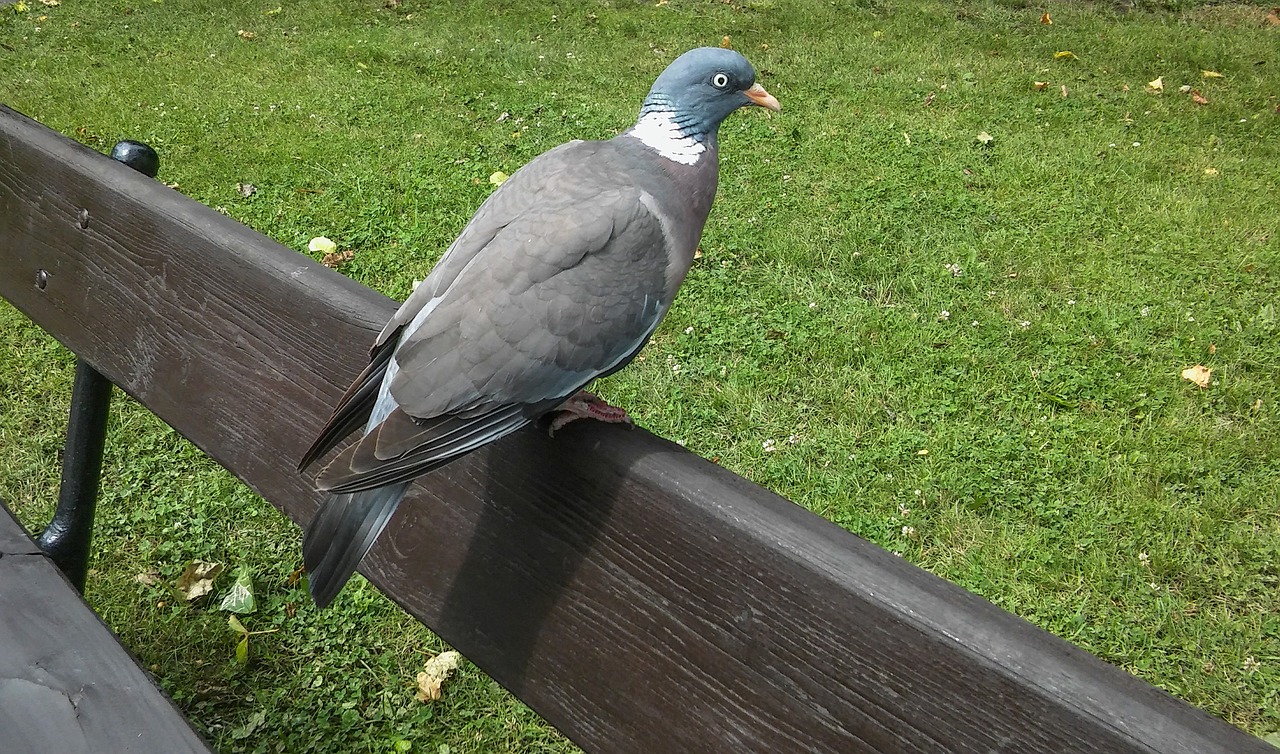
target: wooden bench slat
<point>640,598</point>
<point>66,683</point>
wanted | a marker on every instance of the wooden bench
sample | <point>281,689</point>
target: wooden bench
<point>66,683</point>
<point>640,598</point>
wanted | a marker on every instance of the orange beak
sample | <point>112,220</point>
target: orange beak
<point>758,95</point>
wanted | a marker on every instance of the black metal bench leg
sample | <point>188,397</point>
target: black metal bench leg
<point>66,539</point>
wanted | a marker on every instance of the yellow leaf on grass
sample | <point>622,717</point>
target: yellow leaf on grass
<point>1040,86</point>
<point>322,245</point>
<point>1045,19</point>
<point>1156,86</point>
<point>1064,55</point>
<point>1212,75</point>
<point>725,43</point>
<point>1200,375</point>
<point>244,34</point>
<point>498,178</point>
<point>433,676</point>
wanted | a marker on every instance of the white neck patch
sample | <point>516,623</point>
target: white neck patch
<point>660,133</point>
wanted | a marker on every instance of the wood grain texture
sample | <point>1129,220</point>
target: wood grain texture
<point>66,684</point>
<point>640,598</point>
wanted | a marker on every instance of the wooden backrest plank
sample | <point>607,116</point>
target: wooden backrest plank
<point>640,598</point>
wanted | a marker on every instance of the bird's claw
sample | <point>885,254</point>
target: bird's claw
<point>584,405</point>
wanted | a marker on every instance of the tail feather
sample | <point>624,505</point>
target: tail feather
<point>341,534</point>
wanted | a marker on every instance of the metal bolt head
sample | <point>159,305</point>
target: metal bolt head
<point>138,156</point>
<point>42,279</point>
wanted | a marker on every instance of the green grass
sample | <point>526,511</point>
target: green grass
<point>1107,240</point>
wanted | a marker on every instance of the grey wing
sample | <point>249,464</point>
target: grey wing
<point>555,299</point>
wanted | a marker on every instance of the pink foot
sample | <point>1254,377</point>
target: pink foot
<point>584,405</point>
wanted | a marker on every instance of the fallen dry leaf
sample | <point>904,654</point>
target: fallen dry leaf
<point>725,43</point>
<point>1184,89</point>
<point>1064,55</point>
<point>1198,98</point>
<point>1198,374</point>
<point>246,34</point>
<point>985,138</point>
<point>697,253</point>
<point>1212,75</point>
<point>1040,86</point>
<point>1156,86</point>
<point>147,578</point>
<point>1045,19</point>
<point>1210,172</point>
<point>246,189</point>
<point>197,579</point>
<point>1213,348</point>
<point>433,675</point>
<point>928,98</point>
<point>1273,18</point>
<point>1064,91</point>
<point>333,259</point>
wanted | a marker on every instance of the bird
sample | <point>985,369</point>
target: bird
<point>559,279</point>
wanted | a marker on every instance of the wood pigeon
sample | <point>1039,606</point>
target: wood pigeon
<point>559,279</point>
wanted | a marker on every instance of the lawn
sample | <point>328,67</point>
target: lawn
<point>939,303</point>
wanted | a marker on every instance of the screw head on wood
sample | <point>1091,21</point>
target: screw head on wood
<point>138,156</point>
<point>42,279</point>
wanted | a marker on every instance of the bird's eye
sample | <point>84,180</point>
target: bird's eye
<point>720,81</point>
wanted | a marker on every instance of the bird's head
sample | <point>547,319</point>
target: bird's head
<point>703,86</point>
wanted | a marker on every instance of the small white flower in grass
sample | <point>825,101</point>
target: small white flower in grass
<point>813,305</point>
<point>676,368</point>
<point>1137,143</point>
<point>944,315</point>
<point>955,270</point>
<point>793,439</point>
<point>1251,665</point>
<point>908,531</point>
<point>1144,558</point>
<point>975,323</point>
<point>903,510</point>
<point>1145,311</point>
<point>916,493</point>
<point>688,330</point>
<point>1071,302</point>
<point>1024,324</point>
<point>768,446</point>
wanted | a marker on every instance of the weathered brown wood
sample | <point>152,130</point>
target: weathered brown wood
<point>640,598</point>
<point>66,684</point>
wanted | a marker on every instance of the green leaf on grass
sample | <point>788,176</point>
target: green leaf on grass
<point>242,650</point>
<point>240,598</point>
